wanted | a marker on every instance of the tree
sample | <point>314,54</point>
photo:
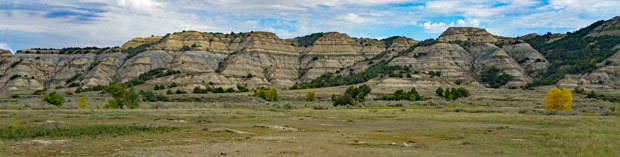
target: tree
<point>439,92</point>
<point>82,104</point>
<point>310,96</point>
<point>54,99</point>
<point>343,100</point>
<point>400,95</point>
<point>558,99</point>
<point>271,95</point>
<point>121,97</point>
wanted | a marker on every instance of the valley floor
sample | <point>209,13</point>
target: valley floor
<point>363,131</point>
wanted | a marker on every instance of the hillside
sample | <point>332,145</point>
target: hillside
<point>586,58</point>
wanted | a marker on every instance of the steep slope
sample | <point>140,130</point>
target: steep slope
<point>529,58</point>
<point>580,52</point>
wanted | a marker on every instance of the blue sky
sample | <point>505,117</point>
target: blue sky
<point>69,23</point>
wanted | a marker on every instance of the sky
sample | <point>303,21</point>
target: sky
<point>79,23</point>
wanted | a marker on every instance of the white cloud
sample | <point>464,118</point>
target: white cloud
<point>440,27</point>
<point>354,18</point>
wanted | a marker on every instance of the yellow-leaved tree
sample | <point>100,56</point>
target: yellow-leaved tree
<point>82,104</point>
<point>558,99</point>
<point>310,96</point>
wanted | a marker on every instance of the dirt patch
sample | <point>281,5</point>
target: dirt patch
<point>228,130</point>
<point>276,127</point>
<point>46,142</point>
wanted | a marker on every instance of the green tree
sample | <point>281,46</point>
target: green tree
<point>121,96</point>
<point>439,92</point>
<point>54,99</point>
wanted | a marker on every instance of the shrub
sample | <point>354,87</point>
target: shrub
<point>219,90</point>
<point>53,98</point>
<point>169,92</point>
<point>453,93</point>
<point>352,95</point>
<point>73,78</point>
<point>343,100</point>
<point>439,92</point>
<point>153,73</point>
<point>180,92</point>
<point>411,95</point>
<point>152,97</point>
<point>121,97</point>
<point>198,90</point>
<point>319,107</point>
<point>243,89</point>
<point>269,95</point>
<point>558,99</point>
<point>39,92</point>
<point>15,63</point>
<point>73,85</point>
<point>230,90</point>
<point>173,84</point>
<point>14,76</point>
<point>82,104</point>
<point>186,48</point>
<point>310,96</point>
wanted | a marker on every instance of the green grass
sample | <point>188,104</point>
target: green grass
<point>76,131</point>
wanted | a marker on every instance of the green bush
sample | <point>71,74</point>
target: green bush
<point>411,95</point>
<point>242,89</point>
<point>131,52</point>
<point>439,92</point>
<point>151,74</point>
<point>152,97</point>
<point>219,90</point>
<point>343,100</point>
<point>14,76</point>
<point>198,90</point>
<point>121,96</point>
<point>53,98</point>
<point>73,78</point>
<point>352,95</point>
<point>453,93</point>
<point>230,90</point>
<point>172,85</point>
<point>180,92</point>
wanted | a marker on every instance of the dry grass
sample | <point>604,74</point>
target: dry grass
<point>423,132</point>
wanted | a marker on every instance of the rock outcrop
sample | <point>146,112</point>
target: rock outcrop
<point>223,60</point>
<point>460,55</point>
<point>467,34</point>
<point>529,58</point>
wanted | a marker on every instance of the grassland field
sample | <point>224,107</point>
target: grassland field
<point>491,122</point>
